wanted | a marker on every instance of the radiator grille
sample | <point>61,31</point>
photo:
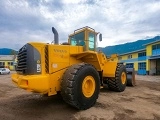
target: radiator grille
<point>22,60</point>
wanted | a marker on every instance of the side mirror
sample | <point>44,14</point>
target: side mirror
<point>100,37</point>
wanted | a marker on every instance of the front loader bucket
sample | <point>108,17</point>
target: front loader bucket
<point>131,77</point>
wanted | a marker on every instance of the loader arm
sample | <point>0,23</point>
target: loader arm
<point>99,61</point>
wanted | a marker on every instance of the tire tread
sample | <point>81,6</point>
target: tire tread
<point>67,85</point>
<point>114,83</point>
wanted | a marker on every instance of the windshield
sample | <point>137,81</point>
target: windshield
<point>77,39</point>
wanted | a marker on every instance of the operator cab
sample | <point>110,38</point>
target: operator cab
<point>86,37</point>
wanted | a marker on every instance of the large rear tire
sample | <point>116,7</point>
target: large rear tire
<point>118,83</point>
<point>131,77</point>
<point>80,86</point>
<point>131,80</point>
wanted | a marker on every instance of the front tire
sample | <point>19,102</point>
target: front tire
<point>80,86</point>
<point>118,83</point>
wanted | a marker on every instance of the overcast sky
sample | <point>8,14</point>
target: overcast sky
<point>119,21</point>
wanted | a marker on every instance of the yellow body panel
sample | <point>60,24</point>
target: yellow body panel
<point>41,49</point>
<point>35,83</point>
<point>60,57</point>
<point>109,69</point>
<point>113,57</point>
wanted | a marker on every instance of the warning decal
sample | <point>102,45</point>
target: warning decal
<point>38,67</point>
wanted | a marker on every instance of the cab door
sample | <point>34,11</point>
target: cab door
<point>91,40</point>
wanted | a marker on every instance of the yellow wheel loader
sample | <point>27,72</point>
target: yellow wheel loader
<point>75,69</point>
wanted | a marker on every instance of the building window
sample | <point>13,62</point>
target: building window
<point>156,49</point>
<point>157,46</point>
<point>10,63</point>
<point>153,47</point>
<point>141,54</point>
<point>129,56</point>
<point>2,63</point>
<point>142,66</point>
<point>129,65</point>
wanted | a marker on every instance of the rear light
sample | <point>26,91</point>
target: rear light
<point>27,83</point>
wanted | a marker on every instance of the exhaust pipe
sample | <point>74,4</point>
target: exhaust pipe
<point>56,37</point>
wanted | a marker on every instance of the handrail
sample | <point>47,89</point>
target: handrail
<point>83,28</point>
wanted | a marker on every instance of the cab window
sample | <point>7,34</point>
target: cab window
<point>91,41</point>
<point>77,39</point>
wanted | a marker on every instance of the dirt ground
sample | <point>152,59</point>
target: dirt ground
<point>135,103</point>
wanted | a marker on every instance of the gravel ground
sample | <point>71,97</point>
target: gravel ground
<point>135,103</point>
